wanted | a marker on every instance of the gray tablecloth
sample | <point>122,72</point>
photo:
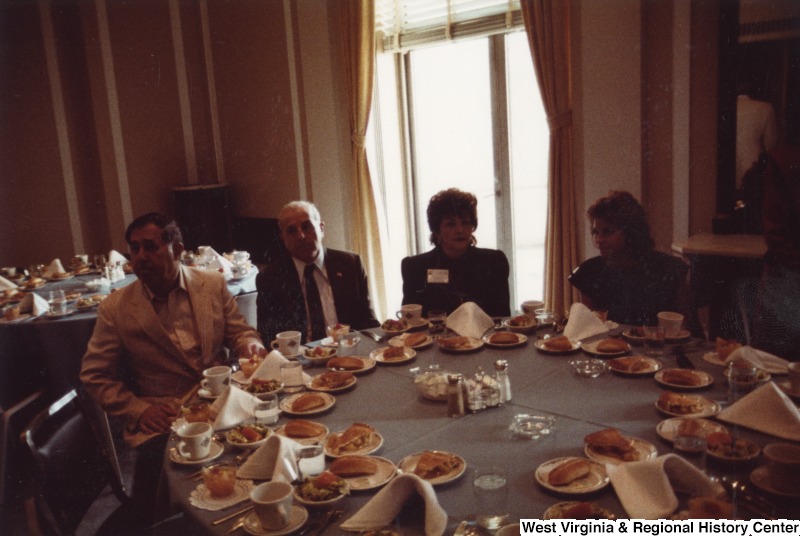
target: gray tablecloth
<point>543,384</point>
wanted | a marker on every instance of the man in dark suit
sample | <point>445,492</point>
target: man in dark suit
<point>313,286</point>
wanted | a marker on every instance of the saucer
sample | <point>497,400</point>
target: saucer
<point>786,387</point>
<point>215,451</point>
<point>760,479</point>
<point>298,518</point>
<point>205,393</point>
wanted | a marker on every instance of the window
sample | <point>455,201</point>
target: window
<point>466,114</point>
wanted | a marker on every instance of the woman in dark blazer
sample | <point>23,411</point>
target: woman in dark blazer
<point>456,271</point>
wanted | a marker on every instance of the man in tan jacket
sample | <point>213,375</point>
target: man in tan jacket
<point>152,341</point>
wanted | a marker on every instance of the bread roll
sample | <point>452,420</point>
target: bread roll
<point>394,353</point>
<point>415,339</point>
<point>333,379</point>
<point>307,402</point>
<point>634,363</point>
<point>503,337</point>
<point>681,377</point>
<point>454,343</point>
<point>678,404</point>
<point>357,436</point>
<point>612,345</point>
<point>568,471</point>
<point>302,428</point>
<point>349,466</point>
<point>559,344</point>
<point>346,363</point>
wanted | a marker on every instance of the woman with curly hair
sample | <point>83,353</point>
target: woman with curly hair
<point>456,271</point>
<point>629,279</point>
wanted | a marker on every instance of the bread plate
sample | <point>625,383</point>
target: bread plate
<point>596,479</point>
<point>313,440</point>
<point>374,443</point>
<point>386,471</point>
<point>400,340</point>
<point>369,364</point>
<point>286,404</point>
<point>315,385</point>
<point>704,379</point>
<point>409,354</point>
<point>591,349</point>
<point>540,345</point>
<point>645,449</point>
<point>558,510</point>
<point>708,408</point>
<point>409,464</point>
<point>650,365</point>
<point>666,428</point>
<point>521,340</point>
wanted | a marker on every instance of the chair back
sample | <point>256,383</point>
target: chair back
<point>70,466</point>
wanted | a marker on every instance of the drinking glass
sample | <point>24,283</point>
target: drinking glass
<point>57,302</point>
<point>310,461</point>
<point>436,322</point>
<point>690,442</point>
<point>491,490</point>
<point>653,340</point>
<point>266,409</point>
<point>292,376</point>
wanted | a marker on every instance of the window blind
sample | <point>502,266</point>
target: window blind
<point>406,24</point>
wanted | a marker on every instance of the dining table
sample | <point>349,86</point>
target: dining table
<point>542,384</point>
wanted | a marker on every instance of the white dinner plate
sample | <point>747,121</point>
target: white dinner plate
<point>214,451</point>
<point>704,378</point>
<point>521,340</point>
<point>54,316</point>
<point>409,464</point>
<point>557,511</point>
<point>400,340</point>
<point>646,451</point>
<point>313,440</point>
<point>576,345</point>
<point>591,348</point>
<point>297,519</point>
<point>666,429</point>
<point>312,386</point>
<point>409,354</point>
<point>596,479</point>
<point>386,471</point>
<point>708,408</point>
<point>682,335</point>
<point>472,345</point>
<point>375,442</point>
<point>651,365</point>
<point>286,404</point>
<point>369,364</point>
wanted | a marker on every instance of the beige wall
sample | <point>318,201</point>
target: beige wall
<point>256,98</point>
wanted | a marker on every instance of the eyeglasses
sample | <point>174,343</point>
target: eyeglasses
<point>604,231</point>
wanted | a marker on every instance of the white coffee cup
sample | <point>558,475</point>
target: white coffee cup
<point>194,440</point>
<point>216,379</point>
<point>783,465</point>
<point>411,313</point>
<point>671,322</point>
<point>794,377</point>
<point>272,503</point>
<point>287,342</point>
<point>529,308</point>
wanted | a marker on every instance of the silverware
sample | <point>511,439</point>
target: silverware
<point>331,517</point>
<point>230,516</point>
<point>236,526</point>
<point>374,336</point>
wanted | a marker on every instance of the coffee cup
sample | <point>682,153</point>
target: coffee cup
<point>240,257</point>
<point>272,503</point>
<point>671,322</point>
<point>529,308</point>
<point>794,377</point>
<point>194,440</point>
<point>783,466</point>
<point>216,379</point>
<point>411,313</point>
<point>287,342</point>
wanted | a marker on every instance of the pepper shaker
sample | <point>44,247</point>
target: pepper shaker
<point>455,395</point>
<point>501,368</point>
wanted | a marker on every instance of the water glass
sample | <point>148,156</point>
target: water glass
<point>310,461</point>
<point>292,376</point>
<point>490,485</point>
<point>436,322</point>
<point>742,378</point>
<point>348,343</point>
<point>653,340</point>
<point>57,302</point>
<point>266,409</point>
<point>689,441</point>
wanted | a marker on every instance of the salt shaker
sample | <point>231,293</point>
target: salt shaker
<point>501,368</point>
<point>455,395</point>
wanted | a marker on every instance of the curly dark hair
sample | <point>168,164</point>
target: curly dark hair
<point>451,202</point>
<point>170,232</point>
<point>623,210</point>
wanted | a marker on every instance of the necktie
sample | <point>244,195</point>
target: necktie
<point>316,318</point>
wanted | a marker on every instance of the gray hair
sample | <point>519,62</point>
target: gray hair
<point>308,207</point>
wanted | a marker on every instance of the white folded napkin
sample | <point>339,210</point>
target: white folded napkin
<point>233,407</point>
<point>645,488</point>
<point>5,284</point>
<point>387,503</point>
<point>270,368</point>
<point>54,267</point>
<point>115,257</point>
<point>217,261</point>
<point>583,323</point>
<point>274,460</point>
<point>469,320</point>
<point>763,360</point>
<point>34,304</point>
<point>768,410</point>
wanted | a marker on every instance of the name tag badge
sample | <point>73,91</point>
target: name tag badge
<point>439,276</point>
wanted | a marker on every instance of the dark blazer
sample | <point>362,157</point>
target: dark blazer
<point>280,302</point>
<point>481,276</point>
